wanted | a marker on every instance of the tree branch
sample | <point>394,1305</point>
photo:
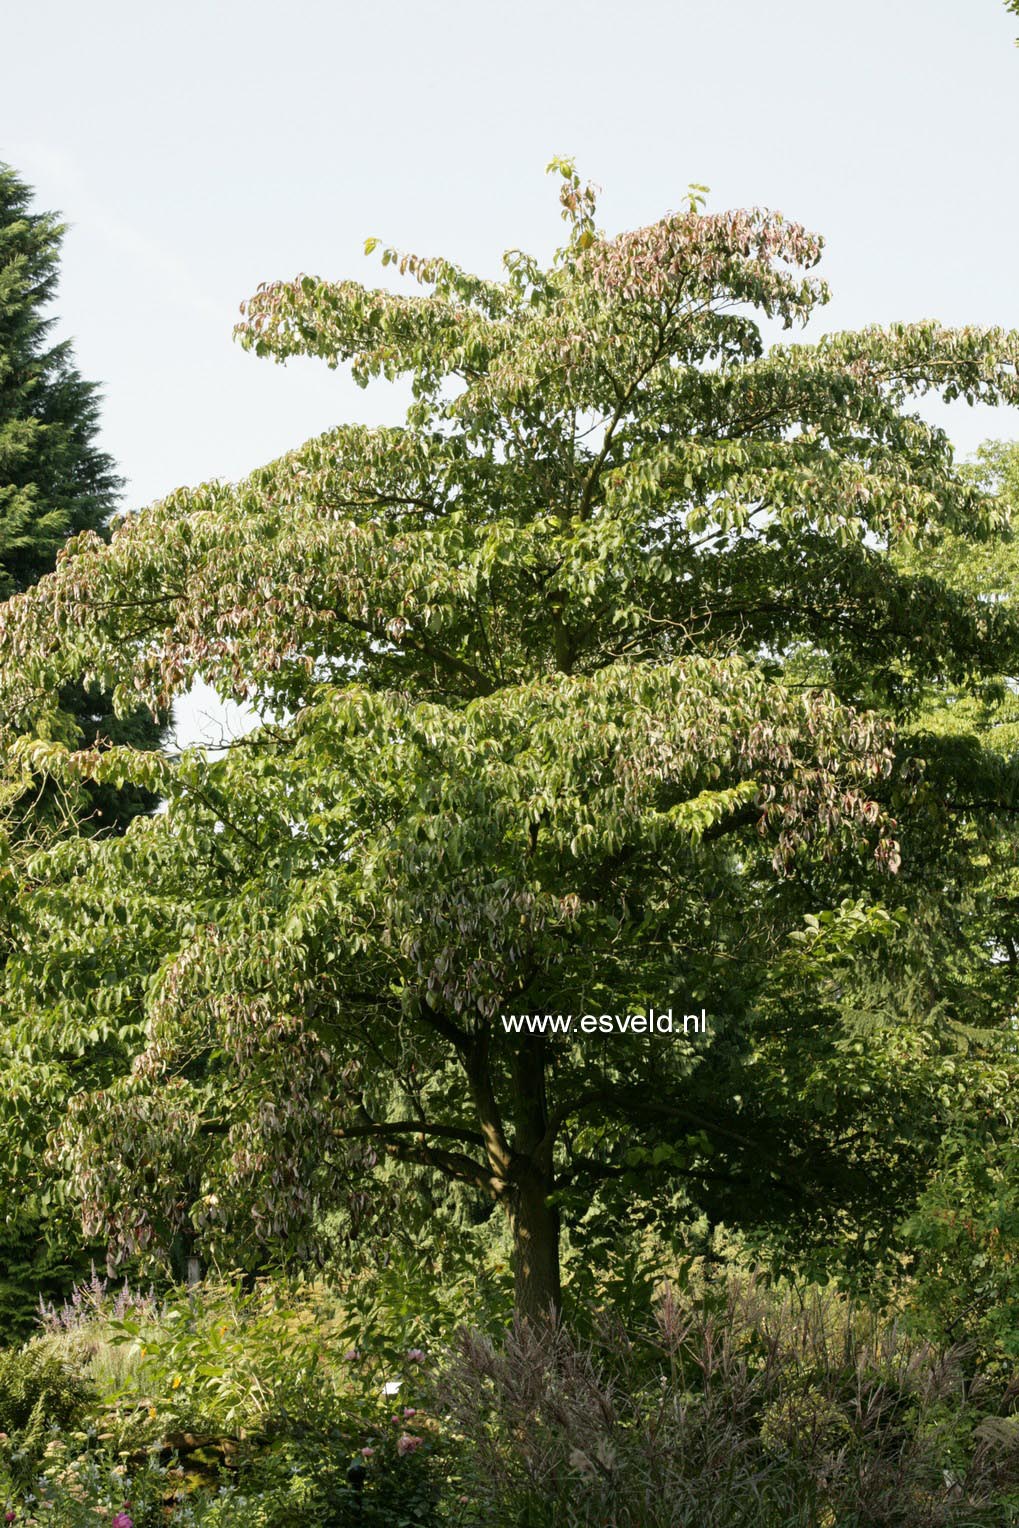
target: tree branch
<point>381,1128</point>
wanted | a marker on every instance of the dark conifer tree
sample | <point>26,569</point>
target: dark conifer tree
<point>54,482</point>
<point>54,479</point>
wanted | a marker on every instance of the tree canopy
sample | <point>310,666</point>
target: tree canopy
<point>54,483</point>
<point>588,688</point>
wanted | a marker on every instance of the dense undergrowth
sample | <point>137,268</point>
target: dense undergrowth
<point>724,1404</point>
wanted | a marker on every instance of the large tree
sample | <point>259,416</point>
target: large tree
<point>55,482</point>
<point>577,695</point>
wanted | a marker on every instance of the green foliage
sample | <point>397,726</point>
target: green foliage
<point>965,1232</point>
<point>220,1402</point>
<point>39,1393</point>
<point>81,1490</point>
<point>54,484</point>
<point>226,1360</point>
<point>36,1387</point>
<point>35,1267</point>
<point>577,692</point>
<point>408,1297</point>
<point>725,1402</point>
<point>54,481</point>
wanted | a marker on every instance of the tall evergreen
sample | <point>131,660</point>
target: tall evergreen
<point>54,482</point>
<point>54,479</point>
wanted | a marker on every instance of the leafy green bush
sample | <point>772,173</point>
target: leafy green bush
<point>965,1230</point>
<point>38,1393</point>
<point>286,1486</point>
<point>219,1358</point>
<point>33,1384</point>
<point>737,1406</point>
<point>411,1277</point>
<point>35,1265</point>
<point>256,1407</point>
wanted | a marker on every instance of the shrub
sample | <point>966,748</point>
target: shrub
<point>34,1384</point>
<point>731,1405</point>
<point>38,1393</point>
<point>966,1281</point>
<point>250,1407</point>
<point>753,1408</point>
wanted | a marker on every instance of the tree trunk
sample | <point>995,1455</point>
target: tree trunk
<point>537,1290</point>
<point>522,1172</point>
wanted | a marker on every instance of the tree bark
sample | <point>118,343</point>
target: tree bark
<point>535,1226</point>
<point>522,1168</point>
<point>533,1220</point>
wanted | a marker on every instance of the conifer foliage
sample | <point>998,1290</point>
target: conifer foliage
<point>54,480</point>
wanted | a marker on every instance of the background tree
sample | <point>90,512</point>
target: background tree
<point>54,483</point>
<point>588,676</point>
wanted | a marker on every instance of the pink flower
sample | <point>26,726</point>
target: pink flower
<point>367,1453</point>
<point>10,1515</point>
<point>409,1411</point>
<point>394,1418</point>
<point>406,1443</point>
<point>351,1355</point>
<point>415,1356</point>
<point>122,1521</point>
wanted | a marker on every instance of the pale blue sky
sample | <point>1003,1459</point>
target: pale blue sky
<point>199,148</point>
